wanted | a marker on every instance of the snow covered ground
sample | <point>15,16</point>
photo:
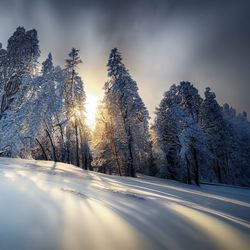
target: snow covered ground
<point>47,205</point>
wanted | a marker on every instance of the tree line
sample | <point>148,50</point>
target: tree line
<point>42,116</point>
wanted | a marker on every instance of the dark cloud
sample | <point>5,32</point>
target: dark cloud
<point>163,42</point>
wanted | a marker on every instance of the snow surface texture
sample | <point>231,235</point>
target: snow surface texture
<point>47,205</point>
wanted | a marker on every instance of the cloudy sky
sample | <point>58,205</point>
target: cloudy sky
<point>162,42</point>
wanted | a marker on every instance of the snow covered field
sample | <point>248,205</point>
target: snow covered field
<point>47,205</point>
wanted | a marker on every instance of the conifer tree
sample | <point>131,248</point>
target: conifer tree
<point>213,124</point>
<point>47,65</point>
<point>77,134</point>
<point>3,53</point>
<point>128,119</point>
<point>178,133</point>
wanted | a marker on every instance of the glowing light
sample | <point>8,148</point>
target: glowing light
<point>91,108</point>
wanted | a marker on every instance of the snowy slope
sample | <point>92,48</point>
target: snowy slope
<point>47,205</point>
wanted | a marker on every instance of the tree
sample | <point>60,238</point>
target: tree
<point>3,53</point>
<point>22,52</point>
<point>238,145</point>
<point>105,143</point>
<point>127,125</point>
<point>167,128</point>
<point>18,64</point>
<point>213,124</point>
<point>48,66</point>
<point>193,150</point>
<point>70,67</point>
<point>76,131</point>
<point>36,110</point>
<point>178,135</point>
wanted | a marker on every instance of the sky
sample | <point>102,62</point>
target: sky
<point>162,42</point>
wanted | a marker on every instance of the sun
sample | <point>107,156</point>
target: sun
<point>91,108</point>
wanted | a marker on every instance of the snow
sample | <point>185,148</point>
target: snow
<point>47,205</point>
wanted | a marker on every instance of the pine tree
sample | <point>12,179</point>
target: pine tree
<point>237,145</point>
<point>77,134</point>
<point>20,63</point>
<point>105,144</point>
<point>178,135</point>
<point>48,85</point>
<point>28,100</point>
<point>213,124</point>
<point>22,52</point>
<point>48,65</point>
<point>192,139</point>
<point>167,128</point>
<point>3,54</point>
<point>128,120</point>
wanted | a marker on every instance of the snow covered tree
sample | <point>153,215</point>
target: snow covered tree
<point>36,110</point>
<point>70,67</point>
<point>178,135</point>
<point>77,134</point>
<point>22,52</point>
<point>28,100</point>
<point>190,99</point>
<point>105,144</point>
<point>19,65</point>
<point>47,65</point>
<point>3,53</point>
<point>238,146</point>
<point>10,89</point>
<point>166,128</point>
<point>194,139</point>
<point>213,124</point>
<point>48,86</point>
<point>193,151</point>
<point>52,109</point>
<point>127,120</point>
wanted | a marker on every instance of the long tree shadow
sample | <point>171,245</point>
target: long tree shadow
<point>223,204</point>
<point>166,225</point>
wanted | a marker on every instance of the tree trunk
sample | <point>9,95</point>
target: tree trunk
<point>77,146</point>
<point>41,146</point>
<point>115,151</point>
<point>196,169</point>
<point>51,141</point>
<point>188,171</point>
<point>62,138</point>
<point>69,100</point>
<point>131,170</point>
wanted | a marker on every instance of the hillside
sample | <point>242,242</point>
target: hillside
<point>47,205</point>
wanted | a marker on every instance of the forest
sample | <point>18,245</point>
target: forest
<point>192,138</point>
